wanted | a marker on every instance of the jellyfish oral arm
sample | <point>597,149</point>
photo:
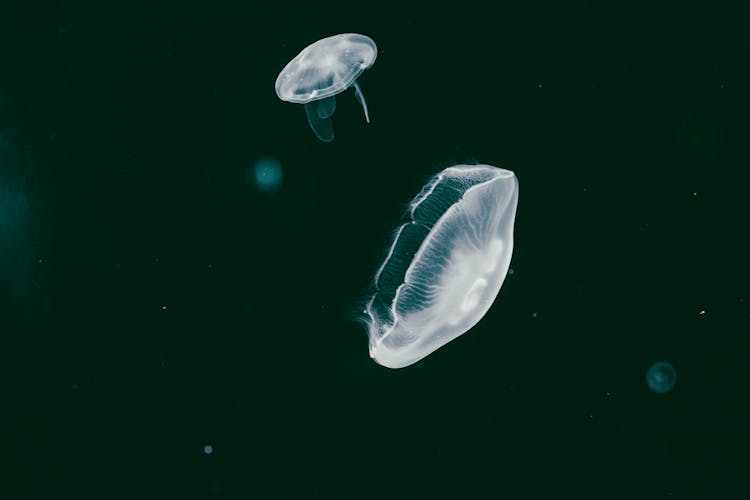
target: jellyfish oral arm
<point>326,107</point>
<point>361,99</point>
<point>322,126</point>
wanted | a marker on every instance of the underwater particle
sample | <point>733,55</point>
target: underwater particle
<point>322,70</point>
<point>446,264</point>
<point>661,377</point>
<point>267,174</point>
<point>208,449</point>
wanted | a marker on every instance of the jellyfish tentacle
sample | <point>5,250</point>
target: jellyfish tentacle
<point>361,99</point>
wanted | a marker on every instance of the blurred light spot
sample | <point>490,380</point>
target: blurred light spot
<point>661,377</point>
<point>267,174</point>
<point>64,28</point>
<point>14,208</point>
<point>208,449</point>
<point>16,256</point>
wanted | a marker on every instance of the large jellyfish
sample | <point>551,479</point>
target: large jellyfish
<point>322,70</point>
<point>446,264</point>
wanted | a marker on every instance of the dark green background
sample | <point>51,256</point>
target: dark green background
<point>128,132</point>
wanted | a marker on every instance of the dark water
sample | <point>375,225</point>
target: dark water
<point>153,302</point>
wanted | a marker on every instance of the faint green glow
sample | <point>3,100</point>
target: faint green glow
<point>13,210</point>
<point>267,174</point>
<point>15,252</point>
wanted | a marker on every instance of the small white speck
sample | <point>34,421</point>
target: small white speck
<point>702,312</point>
<point>511,271</point>
<point>163,308</point>
<point>208,449</point>
<point>534,314</point>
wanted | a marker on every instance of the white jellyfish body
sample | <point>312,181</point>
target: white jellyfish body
<point>445,266</point>
<point>322,70</point>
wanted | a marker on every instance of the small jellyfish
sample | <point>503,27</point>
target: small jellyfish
<point>446,264</point>
<point>322,70</point>
<point>661,377</point>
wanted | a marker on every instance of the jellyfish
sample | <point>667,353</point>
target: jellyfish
<point>322,70</point>
<point>446,263</point>
<point>661,377</point>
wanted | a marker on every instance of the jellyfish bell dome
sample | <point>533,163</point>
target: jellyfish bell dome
<point>323,70</point>
<point>326,68</point>
<point>446,264</point>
